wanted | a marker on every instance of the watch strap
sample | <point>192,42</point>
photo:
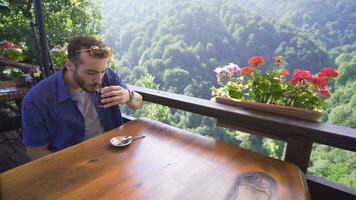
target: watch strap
<point>131,95</point>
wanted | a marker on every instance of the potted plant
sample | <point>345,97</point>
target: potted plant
<point>59,57</point>
<point>11,51</point>
<point>303,96</point>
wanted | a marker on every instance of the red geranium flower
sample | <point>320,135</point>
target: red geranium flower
<point>8,45</point>
<point>246,70</point>
<point>320,81</point>
<point>300,76</point>
<point>328,72</point>
<point>284,72</point>
<point>256,60</point>
<point>324,92</point>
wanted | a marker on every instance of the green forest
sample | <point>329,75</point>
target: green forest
<point>176,45</point>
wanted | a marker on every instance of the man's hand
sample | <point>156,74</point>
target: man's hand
<point>114,95</point>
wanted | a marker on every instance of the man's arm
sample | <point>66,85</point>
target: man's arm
<point>38,152</point>
<point>35,134</point>
<point>135,101</point>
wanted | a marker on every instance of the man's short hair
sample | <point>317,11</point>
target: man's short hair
<point>91,44</point>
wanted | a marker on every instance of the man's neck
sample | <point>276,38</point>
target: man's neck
<point>70,83</point>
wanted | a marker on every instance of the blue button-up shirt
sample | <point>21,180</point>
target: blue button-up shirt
<point>51,117</point>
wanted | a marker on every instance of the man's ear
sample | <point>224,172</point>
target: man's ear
<point>70,65</point>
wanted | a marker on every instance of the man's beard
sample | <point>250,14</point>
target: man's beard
<point>81,83</point>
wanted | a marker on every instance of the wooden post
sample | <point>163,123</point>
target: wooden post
<point>42,37</point>
<point>298,152</point>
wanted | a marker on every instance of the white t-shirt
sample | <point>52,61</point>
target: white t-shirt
<point>93,126</point>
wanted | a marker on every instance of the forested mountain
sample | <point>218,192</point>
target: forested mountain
<point>182,42</point>
<point>342,105</point>
<point>329,22</point>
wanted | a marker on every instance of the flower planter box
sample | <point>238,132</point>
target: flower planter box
<point>304,89</point>
<point>287,111</point>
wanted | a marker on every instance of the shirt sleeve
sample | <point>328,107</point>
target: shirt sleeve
<point>115,79</point>
<point>34,130</point>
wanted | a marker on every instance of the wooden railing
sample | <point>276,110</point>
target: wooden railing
<point>299,134</point>
<point>23,66</point>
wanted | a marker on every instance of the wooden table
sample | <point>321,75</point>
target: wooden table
<point>169,163</point>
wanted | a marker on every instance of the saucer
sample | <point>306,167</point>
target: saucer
<point>121,141</point>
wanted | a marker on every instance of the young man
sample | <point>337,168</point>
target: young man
<point>64,109</point>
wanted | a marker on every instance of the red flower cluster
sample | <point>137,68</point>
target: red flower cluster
<point>256,60</point>
<point>328,72</point>
<point>324,92</point>
<point>320,80</point>
<point>246,70</point>
<point>8,45</point>
<point>301,76</point>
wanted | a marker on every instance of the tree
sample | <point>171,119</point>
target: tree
<point>63,20</point>
<point>150,110</point>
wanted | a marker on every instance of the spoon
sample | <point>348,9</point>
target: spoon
<point>134,137</point>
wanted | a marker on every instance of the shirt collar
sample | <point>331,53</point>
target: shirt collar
<point>63,93</point>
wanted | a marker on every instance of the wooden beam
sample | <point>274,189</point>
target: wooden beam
<point>23,66</point>
<point>323,189</point>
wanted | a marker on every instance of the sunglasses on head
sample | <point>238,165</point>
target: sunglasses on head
<point>97,51</point>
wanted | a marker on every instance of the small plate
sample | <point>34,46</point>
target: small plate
<point>121,141</point>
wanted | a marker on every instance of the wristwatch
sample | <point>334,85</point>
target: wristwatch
<point>131,95</point>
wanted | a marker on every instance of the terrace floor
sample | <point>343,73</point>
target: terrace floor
<point>12,151</point>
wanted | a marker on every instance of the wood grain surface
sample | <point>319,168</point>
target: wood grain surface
<point>169,163</point>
